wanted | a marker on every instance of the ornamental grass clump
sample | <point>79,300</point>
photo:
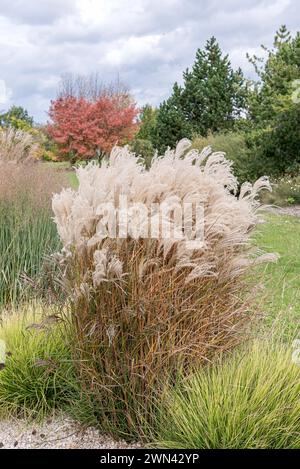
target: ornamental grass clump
<point>37,375</point>
<point>18,145</point>
<point>145,306</point>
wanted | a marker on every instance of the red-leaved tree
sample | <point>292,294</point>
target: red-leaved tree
<point>83,129</point>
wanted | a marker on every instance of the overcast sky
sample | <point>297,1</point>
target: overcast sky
<point>148,43</point>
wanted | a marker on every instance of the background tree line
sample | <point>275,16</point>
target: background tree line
<point>256,122</point>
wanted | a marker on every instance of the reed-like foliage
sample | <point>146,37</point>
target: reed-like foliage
<point>27,232</point>
<point>143,308</point>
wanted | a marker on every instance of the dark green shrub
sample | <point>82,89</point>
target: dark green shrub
<point>286,191</point>
<point>143,149</point>
<point>275,149</point>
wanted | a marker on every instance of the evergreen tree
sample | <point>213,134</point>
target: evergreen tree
<point>147,120</point>
<point>277,74</point>
<point>214,94</point>
<point>171,124</point>
<point>212,97</point>
<point>275,115</point>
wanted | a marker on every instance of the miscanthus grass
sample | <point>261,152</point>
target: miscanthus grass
<point>18,145</point>
<point>143,307</point>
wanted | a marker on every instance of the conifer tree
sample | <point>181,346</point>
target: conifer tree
<point>213,92</point>
<point>274,105</point>
<point>277,74</point>
<point>213,95</point>
<point>171,123</point>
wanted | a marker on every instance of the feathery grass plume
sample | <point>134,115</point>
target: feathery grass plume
<point>17,145</point>
<point>144,307</point>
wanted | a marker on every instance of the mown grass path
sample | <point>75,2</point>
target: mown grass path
<point>281,234</point>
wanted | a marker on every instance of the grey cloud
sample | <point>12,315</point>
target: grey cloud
<point>36,12</point>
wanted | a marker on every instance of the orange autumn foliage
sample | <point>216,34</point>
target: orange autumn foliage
<point>84,130</point>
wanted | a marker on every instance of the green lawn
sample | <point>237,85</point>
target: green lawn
<point>73,179</point>
<point>281,234</point>
<point>250,399</point>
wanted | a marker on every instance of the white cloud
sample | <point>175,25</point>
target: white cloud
<point>132,50</point>
<point>5,94</point>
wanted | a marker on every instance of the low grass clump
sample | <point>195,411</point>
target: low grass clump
<point>250,400</point>
<point>143,307</point>
<point>27,231</point>
<point>38,376</point>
